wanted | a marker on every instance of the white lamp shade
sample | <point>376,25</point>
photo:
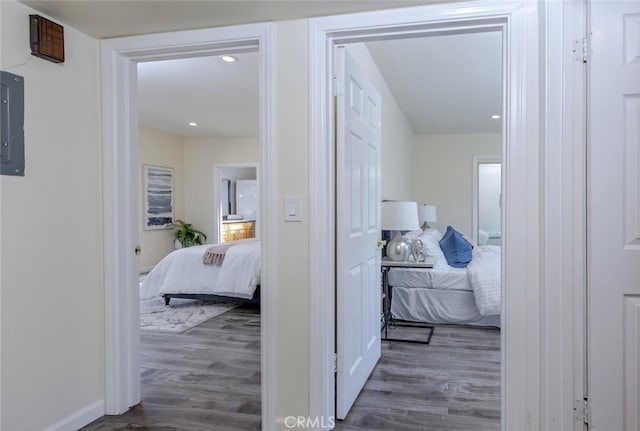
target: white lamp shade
<point>427,213</point>
<point>399,215</point>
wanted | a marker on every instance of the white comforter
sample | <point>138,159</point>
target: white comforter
<point>182,271</point>
<point>484,275</point>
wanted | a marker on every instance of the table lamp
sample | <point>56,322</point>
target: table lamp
<point>426,214</point>
<point>399,216</point>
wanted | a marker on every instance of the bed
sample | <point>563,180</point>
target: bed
<point>448,295</point>
<point>182,274</point>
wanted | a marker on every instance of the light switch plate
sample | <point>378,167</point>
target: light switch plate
<point>292,208</point>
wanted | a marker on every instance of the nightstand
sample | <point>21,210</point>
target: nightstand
<point>390,322</point>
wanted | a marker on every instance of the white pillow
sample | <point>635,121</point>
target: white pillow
<point>431,240</point>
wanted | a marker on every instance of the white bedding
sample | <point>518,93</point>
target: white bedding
<point>436,278</point>
<point>480,279</point>
<point>439,306</point>
<point>484,275</point>
<point>182,271</point>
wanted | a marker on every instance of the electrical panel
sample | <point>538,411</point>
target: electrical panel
<point>11,124</point>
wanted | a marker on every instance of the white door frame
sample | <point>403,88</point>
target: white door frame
<point>542,132</point>
<point>120,177</point>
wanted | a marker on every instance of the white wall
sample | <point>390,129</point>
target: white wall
<point>442,171</point>
<point>291,261</point>
<point>200,157</point>
<point>159,148</point>
<point>52,318</point>
<point>397,135</point>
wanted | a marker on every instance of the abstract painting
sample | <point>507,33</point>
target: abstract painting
<point>158,197</point>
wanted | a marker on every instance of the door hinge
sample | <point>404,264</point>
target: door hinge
<point>581,411</point>
<point>338,87</point>
<point>335,362</point>
<point>582,49</point>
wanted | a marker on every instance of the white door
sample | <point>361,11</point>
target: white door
<point>358,229</point>
<point>614,217</point>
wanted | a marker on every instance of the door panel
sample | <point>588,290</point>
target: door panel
<point>614,216</point>
<point>358,293</point>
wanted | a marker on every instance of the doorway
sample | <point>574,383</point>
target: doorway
<point>120,56</point>
<point>326,33</point>
<point>487,200</point>
<point>236,212</point>
<point>427,147</point>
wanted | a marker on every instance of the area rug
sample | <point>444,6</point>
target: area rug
<point>179,315</point>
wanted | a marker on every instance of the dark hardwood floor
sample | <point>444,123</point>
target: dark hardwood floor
<point>208,378</point>
<point>452,384</point>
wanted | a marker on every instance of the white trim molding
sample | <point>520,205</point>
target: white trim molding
<point>564,185</point>
<point>120,175</point>
<point>521,218</point>
<point>80,418</point>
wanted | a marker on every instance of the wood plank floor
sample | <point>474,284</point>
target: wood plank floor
<point>208,378</point>
<point>452,384</point>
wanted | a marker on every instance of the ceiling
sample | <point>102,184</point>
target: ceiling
<point>221,98</point>
<point>113,18</point>
<point>443,84</point>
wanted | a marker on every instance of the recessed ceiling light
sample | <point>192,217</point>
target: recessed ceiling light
<point>229,58</point>
<point>192,124</point>
<point>495,117</point>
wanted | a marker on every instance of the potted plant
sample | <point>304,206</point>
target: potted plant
<point>187,235</point>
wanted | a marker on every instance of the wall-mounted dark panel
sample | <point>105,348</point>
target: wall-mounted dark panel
<point>11,124</point>
<point>47,39</point>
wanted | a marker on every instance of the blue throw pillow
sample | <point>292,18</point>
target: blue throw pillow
<point>456,249</point>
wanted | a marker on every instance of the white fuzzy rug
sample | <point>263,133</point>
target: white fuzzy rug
<point>179,315</point>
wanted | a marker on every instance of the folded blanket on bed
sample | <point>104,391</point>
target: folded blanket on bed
<point>484,275</point>
<point>215,254</point>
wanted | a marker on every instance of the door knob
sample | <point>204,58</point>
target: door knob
<point>381,243</point>
<point>138,250</point>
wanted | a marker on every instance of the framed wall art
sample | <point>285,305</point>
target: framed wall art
<point>158,197</point>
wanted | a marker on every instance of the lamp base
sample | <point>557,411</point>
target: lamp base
<point>398,249</point>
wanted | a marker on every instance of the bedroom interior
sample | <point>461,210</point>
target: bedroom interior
<point>199,117</point>
<point>430,153</point>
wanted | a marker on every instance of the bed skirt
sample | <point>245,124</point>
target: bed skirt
<point>437,306</point>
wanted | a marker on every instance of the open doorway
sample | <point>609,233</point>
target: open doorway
<point>121,175</point>
<point>518,104</point>
<point>487,200</point>
<point>200,308</point>
<point>237,197</point>
<point>435,122</point>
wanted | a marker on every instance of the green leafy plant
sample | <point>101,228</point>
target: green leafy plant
<point>187,235</point>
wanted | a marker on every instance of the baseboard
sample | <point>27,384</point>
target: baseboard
<point>80,418</point>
